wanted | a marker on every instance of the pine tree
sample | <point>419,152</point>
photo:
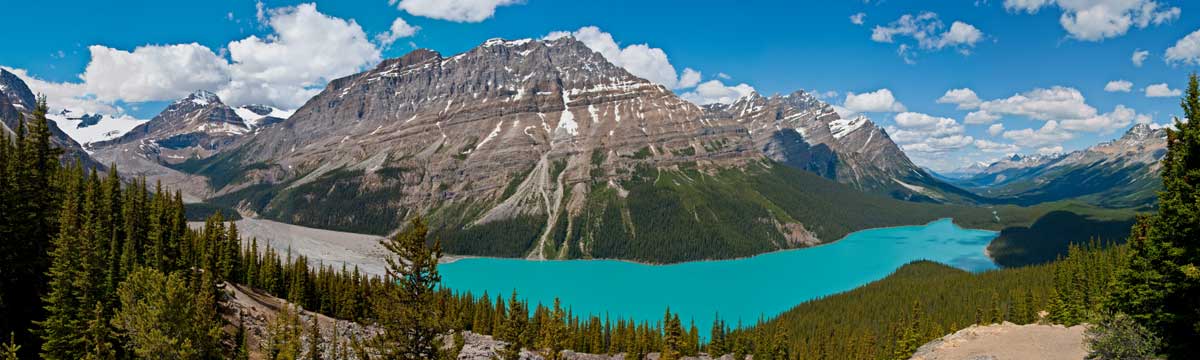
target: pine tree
<point>283,334</point>
<point>1160,286</point>
<point>514,329</point>
<point>66,317</point>
<point>314,351</point>
<point>553,333</point>
<point>407,311</point>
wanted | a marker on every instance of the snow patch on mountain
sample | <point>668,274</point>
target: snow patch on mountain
<point>109,127</point>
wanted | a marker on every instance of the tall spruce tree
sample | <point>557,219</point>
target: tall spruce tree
<point>1160,286</point>
<point>407,311</point>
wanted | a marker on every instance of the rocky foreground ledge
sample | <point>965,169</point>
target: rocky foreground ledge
<point>1007,341</point>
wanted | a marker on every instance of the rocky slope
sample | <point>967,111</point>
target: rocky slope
<point>545,149</point>
<point>17,100</point>
<point>1120,173</point>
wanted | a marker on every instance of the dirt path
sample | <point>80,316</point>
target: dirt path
<point>1008,341</point>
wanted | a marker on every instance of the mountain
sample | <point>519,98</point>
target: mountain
<point>17,101</point>
<point>87,129</point>
<point>545,149</point>
<point>195,126</point>
<point>1120,173</point>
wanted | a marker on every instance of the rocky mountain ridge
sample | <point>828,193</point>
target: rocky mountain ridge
<point>1121,172</point>
<point>534,138</point>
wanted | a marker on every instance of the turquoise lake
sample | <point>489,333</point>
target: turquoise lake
<point>744,289</point>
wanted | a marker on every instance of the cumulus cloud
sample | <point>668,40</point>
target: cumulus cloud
<point>399,29</point>
<point>65,96</point>
<point>1043,104</point>
<point>1049,134</point>
<point>1065,106</point>
<point>995,129</point>
<point>306,50</point>
<point>996,147</point>
<point>1118,86</point>
<point>453,10</point>
<point>151,73</point>
<point>714,91</point>
<point>965,98</point>
<point>1095,20</point>
<point>1162,90</point>
<point>1120,117</point>
<point>689,78</point>
<point>876,101</point>
<point>923,133</point>
<point>1139,57</point>
<point>641,60</point>
<point>1186,50</point>
<point>980,118</point>
<point>857,19</point>
<point>926,30</point>
<point>1050,150</point>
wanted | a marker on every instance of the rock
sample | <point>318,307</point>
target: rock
<point>1008,341</point>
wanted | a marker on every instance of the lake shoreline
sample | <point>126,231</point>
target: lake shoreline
<point>452,258</point>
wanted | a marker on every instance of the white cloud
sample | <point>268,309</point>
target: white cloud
<point>1186,50</point>
<point>1120,117</point>
<point>960,34</point>
<point>689,78</point>
<point>1095,20</point>
<point>926,30</point>
<point>66,96</point>
<point>399,29</point>
<point>1118,86</point>
<point>1065,107</point>
<point>641,60</point>
<point>453,10</point>
<point>1031,6</point>
<point>980,118</point>
<point>724,76</point>
<point>877,101</point>
<point>965,98</point>
<point>1050,150</point>
<point>151,73</point>
<point>1055,103</point>
<point>1162,90</point>
<point>714,91</point>
<point>857,19</point>
<point>995,129</point>
<point>917,132</point>
<point>307,49</point>
<point>996,147</point>
<point>1139,57</point>
<point>1048,134</point>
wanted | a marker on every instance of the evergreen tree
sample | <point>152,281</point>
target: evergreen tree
<point>1160,286</point>
<point>514,329</point>
<point>315,341</point>
<point>162,318</point>
<point>408,312</point>
<point>283,335</point>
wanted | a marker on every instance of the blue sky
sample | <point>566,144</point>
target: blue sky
<point>1069,49</point>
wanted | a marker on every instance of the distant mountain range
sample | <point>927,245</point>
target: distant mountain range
<point>1120,173</point>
